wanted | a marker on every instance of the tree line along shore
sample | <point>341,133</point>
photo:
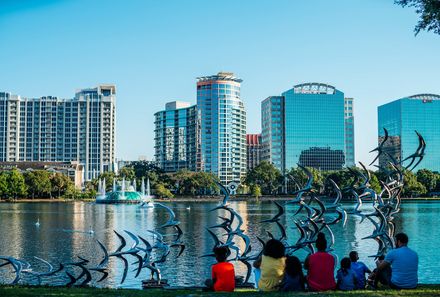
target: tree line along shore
<point>264,180</point>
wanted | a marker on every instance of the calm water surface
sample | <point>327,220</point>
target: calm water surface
<point>63,235</point>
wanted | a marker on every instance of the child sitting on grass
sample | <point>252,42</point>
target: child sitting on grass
<point>346,278</point>
<point>294,279</point>
<point>223,275</point>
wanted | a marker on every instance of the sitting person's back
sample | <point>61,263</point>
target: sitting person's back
<point>272,266</point>
<point>223,275</point>
<point>346,277</point>
<point>404,264</point>
<point>293,275</point>
<point>320,266</point>
<point>359,268</point>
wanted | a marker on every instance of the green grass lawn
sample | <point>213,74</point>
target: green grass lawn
<point>424,290</point>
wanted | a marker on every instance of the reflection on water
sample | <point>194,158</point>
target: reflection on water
<point>64,234</point>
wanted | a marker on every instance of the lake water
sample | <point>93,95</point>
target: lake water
<point>63,235</point>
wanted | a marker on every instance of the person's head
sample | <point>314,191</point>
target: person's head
<point>221,253</point>
<point>345,263</point>
<point>293,266</point>
<point>320,236</point>
<point>381,258</point>
<point>354,256</point>
<point>274,248</point>
<point>321,242</point>
<point>401,239</point>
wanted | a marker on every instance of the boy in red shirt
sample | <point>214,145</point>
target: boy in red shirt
<point>223,275</point>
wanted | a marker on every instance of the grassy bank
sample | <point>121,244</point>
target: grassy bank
<point>425,290</point>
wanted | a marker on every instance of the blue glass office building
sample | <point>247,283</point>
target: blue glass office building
<point>223,126</point>
<point>401,118</point>
<point>272,131</point>
<point>309,122</point>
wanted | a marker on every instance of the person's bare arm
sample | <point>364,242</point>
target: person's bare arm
<point>381,267</point>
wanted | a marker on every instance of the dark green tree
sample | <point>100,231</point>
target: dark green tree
<point>429,11</point>
<point>428,178</point>
<point>60,183</point>
<point>162,192</point>
<point>16,186</point>
<point>4,184</point>
<point>38,182</point>
<point>265,175</point>
<point>299,178</point>
<point>127,172</point>
<point>411,186</point>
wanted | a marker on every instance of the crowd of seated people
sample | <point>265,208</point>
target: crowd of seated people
<point>276,271</point>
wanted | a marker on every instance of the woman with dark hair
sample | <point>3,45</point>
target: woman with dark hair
<point>320,266</point>
<point>272,266</point>
<point>294,279</point>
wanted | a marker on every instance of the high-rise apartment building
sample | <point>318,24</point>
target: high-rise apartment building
<point>223,126</point>
<point>254,150</point>
<point>349,132</point>
<point>308,125</point>
<point>51,129</point>
<point>401,118</point>
<point>177,130</point>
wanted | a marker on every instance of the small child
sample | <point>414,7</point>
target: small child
<point>359,269</point>
<point>346,277</point>
<point>294,279</point>
<point>223,275</point>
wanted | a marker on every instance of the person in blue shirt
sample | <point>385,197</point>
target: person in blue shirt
<point>404,264</point>
<point>346,277</point>
<point>359,269</point>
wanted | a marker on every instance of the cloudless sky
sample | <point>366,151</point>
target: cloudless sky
<point>154,50</point>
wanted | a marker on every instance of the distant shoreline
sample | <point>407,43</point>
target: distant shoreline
<point>194,199</point>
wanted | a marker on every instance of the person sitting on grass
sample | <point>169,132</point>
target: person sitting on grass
<point>294,279</point>
<point>346,277</point>
<point>223,275</point>
<point>359,268</point>
<point>404,264</point>
<point>320,266</point>
<point>272,266</point>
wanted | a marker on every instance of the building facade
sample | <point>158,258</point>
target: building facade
<point>177,131</point>
<point>254,150</point>
<point>51,129</point>
<point>308,125</point>
<point>401,118</point>
<point>223,126</point>
<point>272,131</point>
<point>349,132</point>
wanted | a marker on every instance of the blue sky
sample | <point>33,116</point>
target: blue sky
<point>154,50</point>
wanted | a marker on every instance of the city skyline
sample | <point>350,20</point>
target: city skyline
<point>153,60</point>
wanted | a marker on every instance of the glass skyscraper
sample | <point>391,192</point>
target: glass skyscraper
<point>272,132</point>
<point>310,125</point>
<point>50,129</point>
<point>177,130</point>
<point>401,118</point>
<point>223,126</point>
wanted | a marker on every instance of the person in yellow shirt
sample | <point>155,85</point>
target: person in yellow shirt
<point>272,266</point>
